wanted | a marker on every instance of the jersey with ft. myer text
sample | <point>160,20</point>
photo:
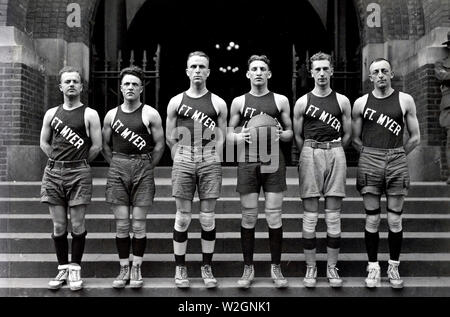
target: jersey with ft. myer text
<point>196,120</point>
<point>322,118</point>
<point>130,135</point>
<point>70,141</point>
<point>255,105</point>
<point>383,122</point>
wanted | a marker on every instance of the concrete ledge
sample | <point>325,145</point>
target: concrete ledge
<point>25,163</point>
<point>424,163</point>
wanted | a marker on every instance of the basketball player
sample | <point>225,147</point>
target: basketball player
<point>252,174</point>
<point>71,138</point>
<point>379,122</point>
<point>133,143</point>
<point>322,126</point>
<point>196,124</point>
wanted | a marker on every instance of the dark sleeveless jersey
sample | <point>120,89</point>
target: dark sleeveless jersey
<point>70,141</point>
<point>253,106</point>
<point>130,135</point>
<point>383,122</point>
<point>322,118</point>
<point>196,120</point>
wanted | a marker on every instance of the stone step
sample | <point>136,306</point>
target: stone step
<point>412,205</point>
<point>224,222</point>
<point>164,188</point>
<point>261,287</point>
<point>224,265</point>
<point>227,242</point>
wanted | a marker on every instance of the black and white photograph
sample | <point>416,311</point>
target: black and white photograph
<point>225,156</point>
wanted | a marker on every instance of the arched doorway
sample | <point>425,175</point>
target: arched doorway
<point>229,33</point>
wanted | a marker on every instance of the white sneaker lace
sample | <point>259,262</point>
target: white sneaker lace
<point>207,272</point>
<point>136,273</point>
<point>333,272</point>
<point>276,269</point>
<point>393,272</point>
<point>75,275</point>
<point>182,272</point>
<point>60,275</point>
<point>248,270</point>
<point>373,272</point>
<point>123,272</point>
<point>310,272</point>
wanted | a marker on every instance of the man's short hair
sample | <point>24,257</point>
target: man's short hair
<point>381,59</point>
<point>321,56</point>
<point>68,69</point>
<point>132,70</point>
<point>262,58</point>
<point>198,53</point>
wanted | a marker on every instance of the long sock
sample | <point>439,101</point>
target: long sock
<point>333,246</point>
<point>138,246</point>
<point>276,244</point>
<point>309,249</point>
<point>395,244</point>
<point>123,247</point>
<point>208,244</point>
<point>372,240</point>
<point>78,242</point>
<point>248,244</point>
<point>61,248</point>
<point>179,247</point>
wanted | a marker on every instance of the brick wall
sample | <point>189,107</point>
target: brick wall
<point>21,108</point>
<point>400,20</point>
<point>437,13</point>
<point>17,12</point>
<point>424,87</point>
<point>47,19</point>
<point>3,12</point>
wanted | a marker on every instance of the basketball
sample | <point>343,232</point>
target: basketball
<point>262,120</point>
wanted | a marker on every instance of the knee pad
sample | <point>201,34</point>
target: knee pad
<point>394,222</point>
<point>372,223</point>
<point>274,218</point>
<point>333,221</point>
<point>309,224</point>
<point>139,226</point>
<point>122,228</point>
<point>207,220</point>
<point>249,217</point>
<point>182,220</point>
<point>59,229</point>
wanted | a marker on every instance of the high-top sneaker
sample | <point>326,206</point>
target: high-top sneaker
<point>208,277</point>
<point>75,282</point>
<point>136,280</point>
<point>394,275</point>
<point>310,276</point>
<point>277,277</point>
<point>373,277</point>
<point>181,276</point>
<point>247,276</point>
<point>333,277</point>
<point>61,277</point>
<point>123,278</point>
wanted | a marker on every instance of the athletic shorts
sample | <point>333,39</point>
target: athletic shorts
<point>253,176</point>
<point>67,183</point>
<point>130,181</point>
<point>193,171</point>
<point>383,171</point>
<point>322,172</point>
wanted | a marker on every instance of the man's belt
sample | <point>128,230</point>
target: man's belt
<point>322,145</point>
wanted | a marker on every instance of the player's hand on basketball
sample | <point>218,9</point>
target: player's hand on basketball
<point>278,132</point>
<point>244,136</point>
